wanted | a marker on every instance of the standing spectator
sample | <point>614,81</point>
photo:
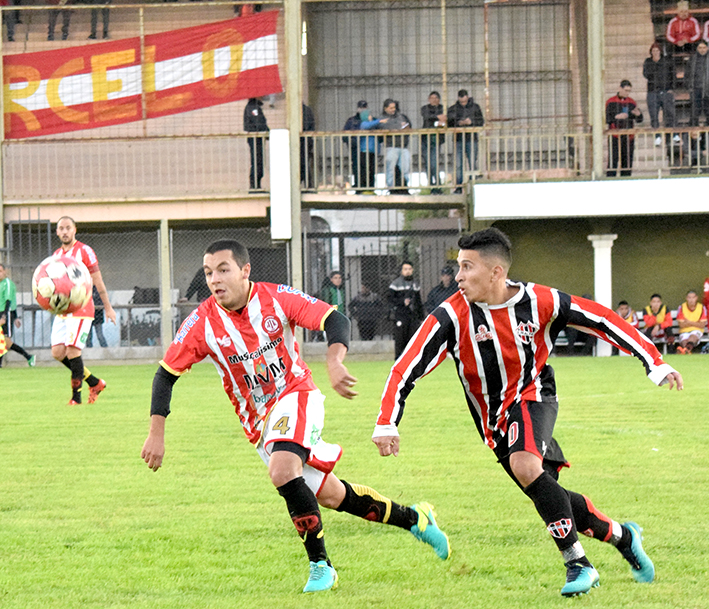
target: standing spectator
<point>94,18</point>
<point>660,72</point>
<point>307,150</point>
<point>698,81</point>
<point>198,287</point>
<point>658,321</point>
<point>434,117</point>
<point>692,322</point>
<point>353,123</point>
<point>333,292</point>
<point>366,308</point>
<point>407,310</point>
<point>255,122</point>
<point>443,290</point>
<point>52,19</point>
<point>10,19</point>
<point>99,318</point>
<point>683,29</point>
<point>8,315</point>
<point>396,151</point>
<point>465,113</point>
<point>622,112</point>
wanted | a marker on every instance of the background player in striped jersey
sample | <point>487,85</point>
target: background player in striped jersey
<point>500,334</point>
<point>70,332</point>
<point>247,329</point>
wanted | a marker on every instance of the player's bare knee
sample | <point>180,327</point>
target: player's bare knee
<point>526,467</point>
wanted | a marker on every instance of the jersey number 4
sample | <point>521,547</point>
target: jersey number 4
<point>282,426</point>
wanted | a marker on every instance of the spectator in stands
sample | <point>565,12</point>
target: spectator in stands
<point>353,123</point>
<point>691,322</point>
<point>628,315</point>
<point>99,318</point>
<point>622,112</point>
<point>52,19</point>
<point>465,113</point>
<point>404,300</point>
<point>333,292</point>
<point>10,19</point>
<point>443,290</point>
<point>94,17</point>
<point>658,321</point>
<point>367,309</point>
<point>698,81</point>
<point>396,152</point>
<point>198,287</point>
<point>683,29</point>
<point>659,72</point>
<point>434,117</point>
<point>307,150</point>
<point>255,122</point>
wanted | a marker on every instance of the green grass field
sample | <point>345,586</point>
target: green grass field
<point>84,523</point>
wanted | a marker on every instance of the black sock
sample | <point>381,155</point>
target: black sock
<point>90,379</point>
<point>553,504</point>
<point>76,365</point>
<point>17,349</point>
<point>367,503</point>
<point>65,361</point>
<point>305,513</point>
<point>625,540</point>
<point>588,519</point>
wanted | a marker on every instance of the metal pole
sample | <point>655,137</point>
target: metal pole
<point>294,117</point>
<point>595,82</point>
<point>165,287</point>
<point>444,53</point>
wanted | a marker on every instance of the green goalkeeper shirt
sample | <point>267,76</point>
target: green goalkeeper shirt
<point>8,296</point>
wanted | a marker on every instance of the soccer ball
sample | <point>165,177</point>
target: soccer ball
<point>61,285</point>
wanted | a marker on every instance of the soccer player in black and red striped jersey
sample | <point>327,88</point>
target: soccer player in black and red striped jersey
<point>500,334</point>
<point>247,330</point>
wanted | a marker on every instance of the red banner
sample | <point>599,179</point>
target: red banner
<point>108,84</point>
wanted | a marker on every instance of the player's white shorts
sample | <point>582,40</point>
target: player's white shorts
<point>299,418</point>
<point>687,335</point>
<point>71,331</point>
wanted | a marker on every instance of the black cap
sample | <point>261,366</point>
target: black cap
<point>362,103</point>
<point>447,270</point>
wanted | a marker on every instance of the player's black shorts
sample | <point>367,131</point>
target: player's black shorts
<point>530,426</point>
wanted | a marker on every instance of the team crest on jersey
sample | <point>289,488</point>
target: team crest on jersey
<point>224,341</point>
<point>561,528</point>
<point>483,334</point>
<point>525,331</point>
<point>271,324</point>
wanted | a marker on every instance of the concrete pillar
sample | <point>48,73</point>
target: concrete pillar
<point>602,279</point>
<point>165,285</point>
<point>596,105</point>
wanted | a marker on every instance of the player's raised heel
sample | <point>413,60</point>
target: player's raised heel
<point>580,579</point>
<point>641,566</point>
<point>427,530</point>
<point>322,577</point>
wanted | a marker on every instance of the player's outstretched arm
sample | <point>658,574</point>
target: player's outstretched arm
<point>672,379</point>
<point>154,446</point>
<point>387,445</point>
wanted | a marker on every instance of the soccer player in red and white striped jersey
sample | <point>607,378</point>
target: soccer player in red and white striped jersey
<point>247,330</point>
<point>500,334</point>
<point>70,332</point>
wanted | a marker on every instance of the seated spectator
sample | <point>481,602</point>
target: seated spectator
<point>367,308</point>
<point>363,148</point>
<point>443,290</point>
<point>628,315</point>
<point>353,123</point>
<point>433,118</point>
<point>683,29</point>
<point>396,153</point>
<point>660,74</point>
<point>692,322</point>
<point>658,321</point>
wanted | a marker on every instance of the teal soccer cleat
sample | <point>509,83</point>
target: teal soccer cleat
<point>642,568</point>
<point>427,530</point>
<point>580,579</point>
<point>322,577</point>
<point>31,361</point>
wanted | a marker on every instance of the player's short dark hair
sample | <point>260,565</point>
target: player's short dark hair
<point>238,251</point>
<point>655,295</point>
<point>489,241</point>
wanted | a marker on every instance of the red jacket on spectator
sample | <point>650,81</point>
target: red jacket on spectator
<point>683,30</point>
